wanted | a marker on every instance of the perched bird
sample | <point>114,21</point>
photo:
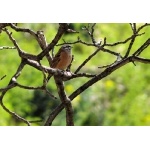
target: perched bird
<point>62,59</point>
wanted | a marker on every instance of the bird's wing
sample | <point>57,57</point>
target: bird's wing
<point>55,60</point>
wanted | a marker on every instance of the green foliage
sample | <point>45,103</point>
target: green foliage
<point>120,99</point>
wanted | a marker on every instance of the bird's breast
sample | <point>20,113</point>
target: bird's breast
<point>65,60</point>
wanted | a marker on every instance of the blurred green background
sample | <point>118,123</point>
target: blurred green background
<point>121,99</point>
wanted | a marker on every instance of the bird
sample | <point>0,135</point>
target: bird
<point>62,59</point>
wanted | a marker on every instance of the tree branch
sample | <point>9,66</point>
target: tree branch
<point>21,53</point>
<point>62,29</point>
<point>14,114</point>
<point>59,75</point>
<point>6,47</point>
<point>88,59</point>
<point>65,100</point>
<point>142,48</point>
<point>11,85</point>
<point>92,81</point>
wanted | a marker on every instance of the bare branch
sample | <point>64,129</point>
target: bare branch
<point>53,114</point>
<point>143,26</point>
<point>119,58</point>
<point>60,75</point>
<point>3,25</point>
<point>20,52</point>
<point>110,52</point>
<point>62,29</point>
<point>93,54</point>
<point>123,42</point>
<point>88,59</point>
<point>5,89</point>
<point>43,43</point>
<point>142,48</point>
<point>133,27</point>
<point>7,47</point>
<point>76,42</point>
<point>92,81</point>
<point>91,34</point>
<point>12,84</point>
<point>14,114</point>
<point>142,60</point>
<point>23,30</point>
<point>57,72</point>
<point>72,31</point>
<point>50,94</point>
<point>80,75</point>
<point>65,100</point>
<point>35,121</point>
<point>39,36</point>
<point>2,77</point>
<point>36,88</point>
<point>131,37</point>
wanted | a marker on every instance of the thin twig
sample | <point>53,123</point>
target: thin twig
<point>87,75</point>
<point>133,27</point>
<point>62,29</point>
<point>35,121</point>
<point>93,54</point>
<point>21,53</point>
<point>11,85</point>
<point>87,59</point>
<point>2,77</point>
<point>143,26</point>
<point>14,114</point>
<point>123,42</point>
<point>142,48</point>
<point>36,88</point>
<point>92,81</point>
<point>76,42</point>
<point>6,47</point>
<point>23,30</point>
<point>119,58</point>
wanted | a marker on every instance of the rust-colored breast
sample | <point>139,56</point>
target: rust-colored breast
<point>65,60</point>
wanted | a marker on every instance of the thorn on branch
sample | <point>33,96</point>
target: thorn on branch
<point>105,41</point>
<point>131,60</point>
<point>64,41</point>
<point>78,38</point>
<point>2,77</point>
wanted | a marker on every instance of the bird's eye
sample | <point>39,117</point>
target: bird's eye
<point>69,46</point>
